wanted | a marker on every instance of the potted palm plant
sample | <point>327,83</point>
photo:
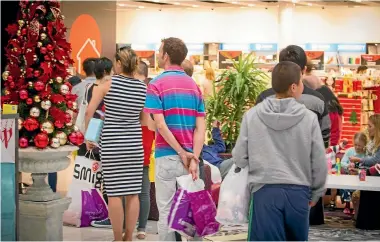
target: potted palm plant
<point>238,88</point>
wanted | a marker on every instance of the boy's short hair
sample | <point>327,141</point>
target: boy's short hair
<point>142,69</point>
<point>89,66</point>
<point>294,53</point>
<point>285,74</point>
<point>188,67</point>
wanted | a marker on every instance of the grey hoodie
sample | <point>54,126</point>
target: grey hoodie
<point>280,141</point>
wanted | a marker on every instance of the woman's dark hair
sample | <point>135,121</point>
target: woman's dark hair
<point>333,104</point>
<point>103,67</point>
<point>295,54</point>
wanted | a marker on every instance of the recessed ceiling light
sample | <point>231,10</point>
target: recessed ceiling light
<point>195,6</point>
<point>121,4</point>
<point>251,5</point>
<point>176,3</point>
<point>310,4</point>
<point>234,2</point>
<point>141,7</point>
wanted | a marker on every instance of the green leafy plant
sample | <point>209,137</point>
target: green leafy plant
<point>238,88</point>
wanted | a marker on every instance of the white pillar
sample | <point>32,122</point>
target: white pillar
<point>285,24</point>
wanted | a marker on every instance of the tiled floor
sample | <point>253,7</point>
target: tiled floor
<point>96,234</point>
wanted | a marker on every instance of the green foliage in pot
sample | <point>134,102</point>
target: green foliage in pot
<point>238,88</point>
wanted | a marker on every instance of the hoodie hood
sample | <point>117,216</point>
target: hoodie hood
<point>281,114</point>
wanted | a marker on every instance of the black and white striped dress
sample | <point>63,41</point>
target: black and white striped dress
<point>122,153</point>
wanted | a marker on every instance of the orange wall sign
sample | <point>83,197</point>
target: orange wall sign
<point>85,39</point>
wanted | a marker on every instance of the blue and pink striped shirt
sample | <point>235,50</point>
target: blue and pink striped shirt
<point>175,95</point>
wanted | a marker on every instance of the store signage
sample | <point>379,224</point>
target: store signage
<point>242,47</point>
<point>263,47</point>
<point>322,47</point>
<point>148,56</point>
<point>351,48</point>
<point>226,58</point>
<point>317,58</point>
<point>370,60</point>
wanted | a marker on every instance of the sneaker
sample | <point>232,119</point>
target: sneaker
<point>105,223</point>
<point>347,211</point>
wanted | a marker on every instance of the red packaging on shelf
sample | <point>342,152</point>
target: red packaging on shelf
<point>338,85</point>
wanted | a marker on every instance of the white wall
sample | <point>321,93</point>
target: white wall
<point>332,25</point>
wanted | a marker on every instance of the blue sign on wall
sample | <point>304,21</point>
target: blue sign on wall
<point>263,47</point>
<point>242,47</point>
<point>351,48</point>
<point>321,47</point>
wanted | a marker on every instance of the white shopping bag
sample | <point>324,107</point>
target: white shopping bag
<point>187,183</point>
<point>234,198</point>
<point>87,175</point>
<point>216,177</point>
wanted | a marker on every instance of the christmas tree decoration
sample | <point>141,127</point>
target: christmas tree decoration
<point>76,138</point>
<point>23,142</point>
<point>34,112</point>
<point>47,127</point>
<point>20,123</point>
<point>55,142</point>
<point>46,104</point>
<point>41,140</point>
<point>62,137</point>
<point>353,118</point>
<point>38,56</point>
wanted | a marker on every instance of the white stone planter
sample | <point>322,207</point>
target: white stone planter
<point>41,209</point>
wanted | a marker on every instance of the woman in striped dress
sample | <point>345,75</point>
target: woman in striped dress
<point>122,153</point>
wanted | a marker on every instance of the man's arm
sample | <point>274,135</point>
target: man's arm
<point>199,136</point>
<point>240,152</point>
<point>372,160</point>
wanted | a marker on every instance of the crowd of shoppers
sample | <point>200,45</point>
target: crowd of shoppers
<point>282,141</point>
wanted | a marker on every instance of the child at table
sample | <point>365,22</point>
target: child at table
<point>359,150</point>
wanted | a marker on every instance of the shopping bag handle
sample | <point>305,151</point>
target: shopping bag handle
<point>91,153</point>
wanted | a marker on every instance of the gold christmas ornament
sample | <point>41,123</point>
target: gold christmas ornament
<point>7,92</point>
<point>20,123</point>
<point>59,79</point>
<point>51,81</point>
<point>62,137</point>
<point>46,104</point>
<point>54,143</point>
<point>21,22</point>
<point>39,44</point>
<point>5,75</point>
<point>47,127</point>
<point>75,106</point>
<point>64,89</point>
<point>18,32</point>
<point>43,36</point>
<point>30,84</point>
<point>37,99</point>
<point>34,112</point>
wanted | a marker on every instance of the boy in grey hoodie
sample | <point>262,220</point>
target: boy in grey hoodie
<point>281,143</point>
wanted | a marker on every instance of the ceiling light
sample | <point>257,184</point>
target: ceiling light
<point>358,1</point>
<point>141,7</point>
<point>294,1</point>
<point>121,4</point>
<point>176,3</point>
<point>156,1</point>
<point>195,6</point>
<point>310,4</point>
<point>251,5</point>
<point>234,2</point>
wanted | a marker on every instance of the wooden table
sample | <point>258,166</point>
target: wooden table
<point>352,182</point>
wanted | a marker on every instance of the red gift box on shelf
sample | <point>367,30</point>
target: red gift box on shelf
<point>338,85</point>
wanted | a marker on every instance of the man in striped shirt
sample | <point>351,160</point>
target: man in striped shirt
<point>176,103</point>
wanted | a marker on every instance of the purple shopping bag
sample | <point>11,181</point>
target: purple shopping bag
<point>204,213</point>
<point>180,217</point>
<point>93,207</point>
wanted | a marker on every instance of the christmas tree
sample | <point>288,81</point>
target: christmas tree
<point>36,77</point>
<point>354,117</point>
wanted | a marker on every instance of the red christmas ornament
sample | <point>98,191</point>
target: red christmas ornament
<point>76,138</point>
<point>24,32</point>
<point>31,124</point>
<point>59,124</point>
<point>67,118</point>
<point>12,85</point>
<point>23,142</point>
<point>36,73</point>
<point>70,104</point>
<point>49,47</point>
<point>39,86</point>
<point>69,85</point>
<point>29,101</point>
<point>23,94</point>
<point>43,50</point>
<point>47,58</point>
<point>10,78</point>
<point>41,140</point>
